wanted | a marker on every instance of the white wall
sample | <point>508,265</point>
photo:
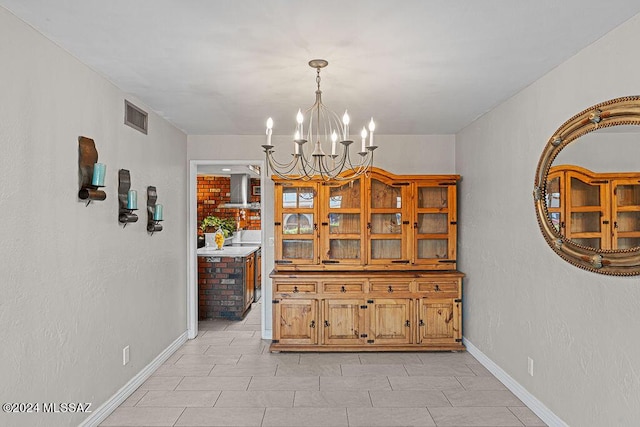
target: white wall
<point>521,299</point>
<point>406,154</point>
<point>75,286</point>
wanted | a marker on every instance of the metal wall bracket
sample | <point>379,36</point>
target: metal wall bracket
<point>87,157</point>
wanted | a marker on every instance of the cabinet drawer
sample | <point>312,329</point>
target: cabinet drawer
<point>294,288</point>
<point>390,287</point>
<point>343,288</point>
<point>439,289</point>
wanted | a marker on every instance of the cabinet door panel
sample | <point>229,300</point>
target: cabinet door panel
<point>439,321</point>
<point>435,224</point>
<point>296,321</point>
<point>342,229</point>
<point>296,226</point>
<point>626,214</point>
<point>390,321</point>
<point>343,322</point>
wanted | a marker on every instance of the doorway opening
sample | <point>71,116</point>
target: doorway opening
<point>255,170</point>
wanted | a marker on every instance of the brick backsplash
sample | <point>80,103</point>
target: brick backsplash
<point>214,191</point>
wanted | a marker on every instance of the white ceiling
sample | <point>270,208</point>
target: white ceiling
<point>417,66</point>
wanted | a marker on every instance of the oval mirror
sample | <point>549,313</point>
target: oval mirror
<point>587,188</point>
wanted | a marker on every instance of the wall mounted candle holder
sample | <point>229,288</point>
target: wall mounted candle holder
<point>154,211</point>
<point>91,173</point>
<point>127,199</point>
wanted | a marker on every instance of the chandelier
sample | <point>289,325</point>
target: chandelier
<point>324,128</point>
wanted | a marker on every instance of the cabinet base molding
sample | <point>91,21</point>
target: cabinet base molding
<point>276,348</point>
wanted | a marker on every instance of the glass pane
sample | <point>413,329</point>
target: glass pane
<point>385,196</point>
<point>346,196</point>
<point>305,198</point>
<point>297,197</point>
<point>555,219</point>
<point>628,242</point>
<point>297,249</point>
<point>386,223</point>
<point>344,249</point>
<point>432,197</point>
<point>297,224</point>
<point>583,194</point>
<point>585,222</point>
<point>590,243</point>
<point>628,221</point>
<point>386,249</point>
<point>432,248</point>
<point>628,195</point>
<point>344,223</point>
<point>553,193</point>
<point>289,197</point>
<point>433,224</point>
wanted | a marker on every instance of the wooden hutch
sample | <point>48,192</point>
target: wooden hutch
<point>367,265</point>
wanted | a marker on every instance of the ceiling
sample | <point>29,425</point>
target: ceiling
<point>221,67</point>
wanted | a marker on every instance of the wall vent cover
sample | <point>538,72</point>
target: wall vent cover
<point>135,117</point>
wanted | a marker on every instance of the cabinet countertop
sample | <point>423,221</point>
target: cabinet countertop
<point>228,251</point>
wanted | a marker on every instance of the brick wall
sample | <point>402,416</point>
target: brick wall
<point>214,191</point>
<point>220,288</point>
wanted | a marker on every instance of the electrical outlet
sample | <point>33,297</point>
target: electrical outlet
<point>530,366</point>
<point>271,241</point>
<point>125,355</point>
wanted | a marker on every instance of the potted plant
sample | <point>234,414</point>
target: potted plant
<point>211,224</point>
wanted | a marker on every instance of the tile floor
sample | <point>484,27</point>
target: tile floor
<point>227,377</point>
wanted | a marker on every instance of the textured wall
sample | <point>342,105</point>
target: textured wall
<point>75,287</point>
<point>521,299</point>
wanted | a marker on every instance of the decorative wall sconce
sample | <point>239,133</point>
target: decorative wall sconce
<point>91,172</point>
<point>154,211</point>
<point>127,199</point>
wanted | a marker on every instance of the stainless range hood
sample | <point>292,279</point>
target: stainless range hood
<point>240,193</point>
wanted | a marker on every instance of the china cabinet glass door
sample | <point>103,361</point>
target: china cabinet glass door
<point>626,214</point>
<point>587,218</point>
<point>342,223</point>
<point>434,223</point>
<point>388,222</point>
<point>296,226</point>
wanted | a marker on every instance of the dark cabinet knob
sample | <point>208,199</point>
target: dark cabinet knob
<point>390,290</point>
<point>313,324</point>
<point>343,289</point>
<point>295,290</point>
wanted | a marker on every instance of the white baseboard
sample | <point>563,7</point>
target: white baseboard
<point>101,413</point>
<point>522,393</point>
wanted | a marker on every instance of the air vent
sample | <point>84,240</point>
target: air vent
<point>135,117</point>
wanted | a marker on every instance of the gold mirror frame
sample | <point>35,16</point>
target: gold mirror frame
<point>616,112</point>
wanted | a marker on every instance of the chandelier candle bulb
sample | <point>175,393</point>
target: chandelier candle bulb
<point>363,134</point>
<point>269,130</point>
<point>300,120</point>
<point>345,129</point>
<point>372,127</point>
<point>334,138</point>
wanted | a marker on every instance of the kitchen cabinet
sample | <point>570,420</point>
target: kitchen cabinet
<point>226,281</point>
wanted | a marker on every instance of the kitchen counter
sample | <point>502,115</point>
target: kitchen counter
<point>228,251</point>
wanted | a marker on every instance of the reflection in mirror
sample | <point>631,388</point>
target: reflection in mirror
<point>590,193</point>
<point>587,188</point>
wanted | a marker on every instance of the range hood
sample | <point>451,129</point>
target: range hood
<point>240,190</point>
